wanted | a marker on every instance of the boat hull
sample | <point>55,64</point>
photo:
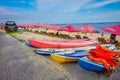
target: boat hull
<point>87,64</point>
<point>62,44</point>
<point>29,45</point>
<point>62,59</point>
<point>65,57</point>
<point>46,51</point>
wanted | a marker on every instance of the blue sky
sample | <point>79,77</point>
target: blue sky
<point>59,11</point>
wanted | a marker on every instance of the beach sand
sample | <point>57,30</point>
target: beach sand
<point>71,70</point>
<point>27,35</point>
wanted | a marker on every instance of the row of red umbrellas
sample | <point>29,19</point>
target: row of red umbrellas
<point>69,28</point>
<point>28,25</point>
<point>86,28</point>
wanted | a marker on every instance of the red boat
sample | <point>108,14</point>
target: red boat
<point>62,43</point>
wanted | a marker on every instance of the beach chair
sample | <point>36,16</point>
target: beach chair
<point>78,36</point>
<point>113,39</point>
<point>36,31</point>
<point>84,37</point>
<point>118,45</point>
<point>66,36</point>
<point>29,30</point>
<point>107,41</point>
<point>102,40</point>
<point>52,34</point>
<point>71,36</point>
<point>43,32</point>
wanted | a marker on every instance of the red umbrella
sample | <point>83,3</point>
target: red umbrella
<point>112,29</point>
<point>31,26</point>
<point>23,25</point>
<point>77,30</point>
<point>68,28</point>
<point>47,26</point>
<point>56,27</point>
<point>87,28</point>
<point>37,25</point>
<point>81,29</point>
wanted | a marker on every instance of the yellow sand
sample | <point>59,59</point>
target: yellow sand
<point>38,36</point>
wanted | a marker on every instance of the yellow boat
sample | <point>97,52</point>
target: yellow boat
<point>68,56</point>
<point>62,59</point>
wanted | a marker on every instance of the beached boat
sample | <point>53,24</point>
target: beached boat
<point>88,64</point>
<point>29,45</point>
<point>48,51</point>
<point>62,43</point>
<point>71,56</point>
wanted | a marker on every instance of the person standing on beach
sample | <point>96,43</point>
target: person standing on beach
<point>2,27</point>
<point>113,38</point>
<point>102,34</point>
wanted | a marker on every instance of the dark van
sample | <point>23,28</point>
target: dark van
<point>10,26</point>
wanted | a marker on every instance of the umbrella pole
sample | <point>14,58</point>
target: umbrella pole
<point>69,35</point>
<point>91,34</point>
<point>85,33</point>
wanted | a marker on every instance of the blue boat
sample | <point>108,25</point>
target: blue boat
<point>73,53</point>
<point>29,45</point>
<point>111,47</point>
<point>62,52</point>
<point>88,64</point>
<point>47,51</point>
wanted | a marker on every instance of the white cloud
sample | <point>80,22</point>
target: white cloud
<point>31,3</point>
<point>19,1</point>
<point>104,16</point>
<point>2,9</point>
<point>23,2</point>
<point>61,5</point>
<point>5,11</point>
<point>61,11</point>
<point>102,3</point>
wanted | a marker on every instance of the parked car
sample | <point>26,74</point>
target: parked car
<point>10,26</point>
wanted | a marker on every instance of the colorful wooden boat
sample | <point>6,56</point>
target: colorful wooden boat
<point>62,43</point>
<point>88,64</point>
<point>65,57</point>
<point>47,51</point>
<point>111,47</point>
<point>29,45</point>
